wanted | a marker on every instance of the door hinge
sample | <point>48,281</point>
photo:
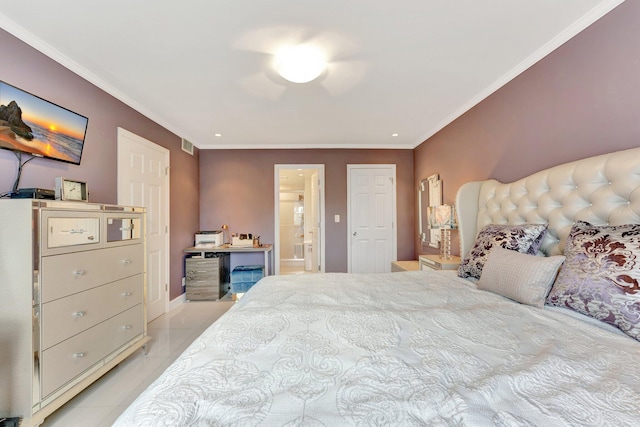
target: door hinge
<point>166,170</point>
<point>166,229</point>
<point>166,287</point>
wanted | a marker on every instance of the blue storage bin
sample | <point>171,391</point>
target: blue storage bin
<point>243,277</point>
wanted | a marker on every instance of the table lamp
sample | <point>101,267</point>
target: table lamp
<point>225,235</point>
<point>443,217</point>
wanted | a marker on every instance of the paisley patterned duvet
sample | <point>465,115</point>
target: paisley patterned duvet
<point>400,349</point>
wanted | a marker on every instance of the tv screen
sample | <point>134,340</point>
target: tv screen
<point>30,124</point>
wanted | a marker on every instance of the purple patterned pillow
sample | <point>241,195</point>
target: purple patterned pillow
<point>601,275</point>
<point>524,238</point>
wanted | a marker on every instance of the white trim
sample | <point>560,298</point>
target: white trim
<point>48,50</point>
<point>394,213</point>
<point>568,33</point>
<point>272,146</point>
<point>177,302</point>
<point>167,162</point>
<point>276,219</point>
<point>589,18</point>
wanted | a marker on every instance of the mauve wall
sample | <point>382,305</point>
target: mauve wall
<point>237,188</point>
<point>581,100</point>
<point>28,69</point>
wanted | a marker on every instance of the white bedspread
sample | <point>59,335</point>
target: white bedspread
<point>411,348</point>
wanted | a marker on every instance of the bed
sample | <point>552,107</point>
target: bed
<point>538,327</point>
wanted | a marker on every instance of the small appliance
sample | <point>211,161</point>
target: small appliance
<point>208,239</point>
<point>33,193</point>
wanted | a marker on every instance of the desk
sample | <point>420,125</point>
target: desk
<point>266,248</point>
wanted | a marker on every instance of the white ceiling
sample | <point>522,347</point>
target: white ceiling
<point>204,67</point>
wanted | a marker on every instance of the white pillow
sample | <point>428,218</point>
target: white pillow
<point>520,277</point>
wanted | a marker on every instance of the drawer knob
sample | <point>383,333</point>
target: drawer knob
<point>78,355</point>
<point>79,314</point>
<point>78,273</point>
<point>126,327</point>
<point>126,261</point>
<point>127,294</point>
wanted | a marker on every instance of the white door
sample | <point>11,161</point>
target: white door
<point>371,214</point>
<point>143,180</point>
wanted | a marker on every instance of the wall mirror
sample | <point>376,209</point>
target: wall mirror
<point>429,194</point>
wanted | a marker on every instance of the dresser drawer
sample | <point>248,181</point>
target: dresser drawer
<point>202,269</point>
<point>68,274</point>
<point>70,231</point>
<point>63,362</point>
<point>202,264</point>
<point>122,228</point>
<point>435,262</point>
<point>200,275</point>
<point>65,317</point>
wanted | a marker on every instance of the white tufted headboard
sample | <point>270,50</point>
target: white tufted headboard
<point>601,190</point>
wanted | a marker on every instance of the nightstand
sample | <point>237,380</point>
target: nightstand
<point>434,262</point>
<point>404,266</point>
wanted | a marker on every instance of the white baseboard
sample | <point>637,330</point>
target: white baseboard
<point>175,303</point>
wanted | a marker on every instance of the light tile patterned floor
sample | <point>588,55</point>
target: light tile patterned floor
<point>101,403</point>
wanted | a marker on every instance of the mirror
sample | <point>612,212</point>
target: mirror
<point>429,194</point>
<point>121,229</point>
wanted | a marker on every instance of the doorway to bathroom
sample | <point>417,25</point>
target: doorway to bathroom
<point>299,219</point>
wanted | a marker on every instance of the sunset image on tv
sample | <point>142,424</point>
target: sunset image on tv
<point>32,125</point>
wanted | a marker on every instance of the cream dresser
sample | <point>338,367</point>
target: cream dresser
<point>435,262</point>
<point>72,289</point>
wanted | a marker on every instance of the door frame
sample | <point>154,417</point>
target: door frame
<point>166,163</point>
<point>276,203</point>
<point>394,211</point>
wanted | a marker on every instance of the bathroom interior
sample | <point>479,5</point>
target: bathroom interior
<point>298,248</point>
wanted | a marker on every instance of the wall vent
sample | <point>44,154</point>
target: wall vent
<point>187,146</point>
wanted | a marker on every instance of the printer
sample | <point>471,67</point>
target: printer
<point>208,239</point>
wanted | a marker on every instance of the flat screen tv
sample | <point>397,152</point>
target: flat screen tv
<point>32,125</point>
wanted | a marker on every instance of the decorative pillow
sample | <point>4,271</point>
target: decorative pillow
<point>525,238</point>
<point>522,277</point>
<point>601,276</point>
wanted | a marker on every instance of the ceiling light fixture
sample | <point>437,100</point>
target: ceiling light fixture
<point>301,63</point>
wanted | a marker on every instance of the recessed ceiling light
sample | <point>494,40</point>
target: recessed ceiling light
<point>394,134</point>
<point>301,63</point>
<point>218,135</point>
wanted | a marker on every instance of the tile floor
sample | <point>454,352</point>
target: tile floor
<point>295,269</point>
<point>100,404</point>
